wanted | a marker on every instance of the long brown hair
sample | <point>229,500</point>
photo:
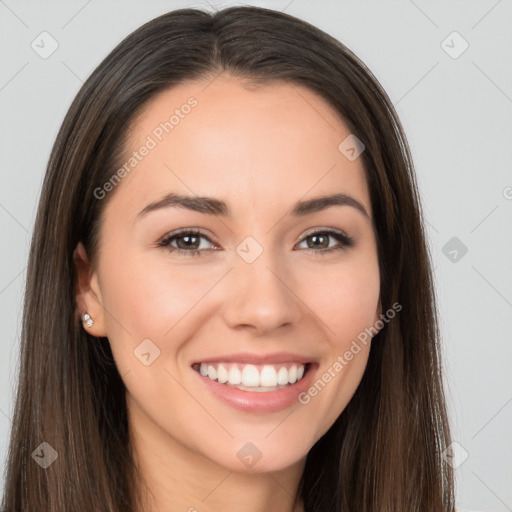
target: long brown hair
<point>384,451</point>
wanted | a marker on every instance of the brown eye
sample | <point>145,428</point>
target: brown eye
<point>188,242</point>
<point>319,241</point>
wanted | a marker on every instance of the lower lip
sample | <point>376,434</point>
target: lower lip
<point>260,402</point>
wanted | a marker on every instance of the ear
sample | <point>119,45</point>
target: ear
<point>88,292</point>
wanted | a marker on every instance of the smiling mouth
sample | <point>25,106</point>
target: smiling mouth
<point>251,377</point>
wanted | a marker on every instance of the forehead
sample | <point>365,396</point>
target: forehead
<point>260,144</point>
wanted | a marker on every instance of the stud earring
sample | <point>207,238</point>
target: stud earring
<point>88,320</point>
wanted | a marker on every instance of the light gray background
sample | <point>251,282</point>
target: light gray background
<point>457,116</point>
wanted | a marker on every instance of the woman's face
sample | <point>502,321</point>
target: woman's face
<point>257,298</point>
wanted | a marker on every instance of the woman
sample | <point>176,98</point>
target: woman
<point>229,297</point>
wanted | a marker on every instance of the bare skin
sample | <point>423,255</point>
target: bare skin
<point>259,150</point>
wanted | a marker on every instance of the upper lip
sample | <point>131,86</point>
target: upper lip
<point>248,358</point>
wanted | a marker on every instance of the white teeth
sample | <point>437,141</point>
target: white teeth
<point>235,376</point>
<point>222,374</point>
<point>282,376</point>
<point>268,376</point>
<point>253,378</point>
<point>212,372</point>
<point>292,375</point>
<point>250,376</point>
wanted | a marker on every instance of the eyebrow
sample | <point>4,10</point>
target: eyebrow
<point>212,206</point>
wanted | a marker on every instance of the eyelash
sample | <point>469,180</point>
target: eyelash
<point>345,241</point>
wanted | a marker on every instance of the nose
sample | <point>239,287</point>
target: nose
<point>261,296</point>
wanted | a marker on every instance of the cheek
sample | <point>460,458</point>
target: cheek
<point>159,302</point>
<point>346,298</point>
<point>151,299</point>
<point>348,306</point>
